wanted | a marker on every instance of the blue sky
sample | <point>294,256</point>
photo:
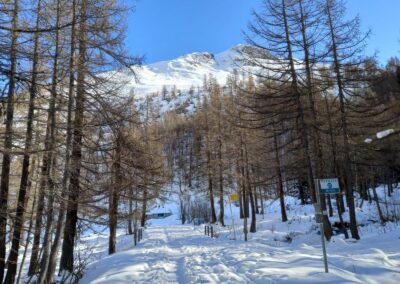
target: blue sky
<point>165,29</point>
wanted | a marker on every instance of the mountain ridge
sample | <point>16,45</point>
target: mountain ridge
<point>183,72</point>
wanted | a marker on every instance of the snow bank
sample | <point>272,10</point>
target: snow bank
<point>384,133</point>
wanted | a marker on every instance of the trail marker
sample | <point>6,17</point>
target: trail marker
<point>234,197</point>
<point>329,186</point>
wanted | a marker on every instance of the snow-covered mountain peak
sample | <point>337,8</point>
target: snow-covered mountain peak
<point>183,72</point>
<point>188,71</point>
<point>199,58</point>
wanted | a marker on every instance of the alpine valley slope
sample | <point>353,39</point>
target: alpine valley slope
<point>185,71</point>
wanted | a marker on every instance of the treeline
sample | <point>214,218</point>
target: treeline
<point>74,150</point>
<point>304,104</point>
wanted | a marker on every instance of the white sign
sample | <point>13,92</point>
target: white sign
<point>329,186</point>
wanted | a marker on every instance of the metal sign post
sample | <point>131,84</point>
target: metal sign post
<point>319,219</point>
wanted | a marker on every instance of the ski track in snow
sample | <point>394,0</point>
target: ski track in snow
<point>182,254</point>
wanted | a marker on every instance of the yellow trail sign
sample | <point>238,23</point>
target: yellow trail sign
<point>234,197</point>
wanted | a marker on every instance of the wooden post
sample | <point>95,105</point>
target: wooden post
<point>212,231</point>
<point>245,228</point>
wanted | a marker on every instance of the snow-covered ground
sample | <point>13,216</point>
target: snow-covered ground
<point>278,253</point>
<point>182,254</point>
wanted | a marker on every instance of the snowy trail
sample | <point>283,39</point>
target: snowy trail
<point>182,254</point>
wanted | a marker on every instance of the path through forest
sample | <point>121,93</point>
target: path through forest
<point>182,254</point>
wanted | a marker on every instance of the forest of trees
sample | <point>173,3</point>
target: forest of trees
<point>77,151</point>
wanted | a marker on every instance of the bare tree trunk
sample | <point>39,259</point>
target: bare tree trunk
<point>376,198</point>
<point>347,160</point>
<point>113,221</point>
<point>256,200</point>
<point>67,256</point>
<point>114,197</point>
<point>239,185</point>
<point>389,182</point>
<point>5,170</point>
<point>335,169</point>
<point>43,184</point>
<point>209,166</point>
<point>244,193</point>
<point>52,159</point>
<point>19,218</point>
<point>261,201</point>
<point>22,200</point>
<point>49,226</point>
<point>245,212</point>
<point>314,129</point>
<point>210,184</point>
<point>28,238</point>
<point>130,228</point>
<point>144,207</point>
<point>253,227</point>
<point>221,188</point>
<point>328,198</point>
<point>220,167</point>
<point>61,213</point>
<point>33,265</point>
<point>281,193</point>
<point>300,108</point>
<point>190,166</point>
<point>364,190</point>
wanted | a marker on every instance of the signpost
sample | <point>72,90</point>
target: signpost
<point>319,218</point>
<point>329,186</point>
<point>322,187</point>
<point>233,198</point>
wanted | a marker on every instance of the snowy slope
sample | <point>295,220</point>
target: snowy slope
<point>183,72</point>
